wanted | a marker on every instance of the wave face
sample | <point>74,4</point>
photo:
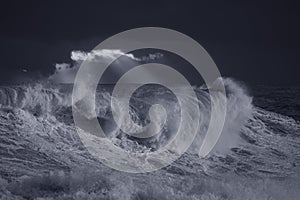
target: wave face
<point>257,156</point>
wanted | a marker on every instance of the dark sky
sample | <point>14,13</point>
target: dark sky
<point>253,41</point>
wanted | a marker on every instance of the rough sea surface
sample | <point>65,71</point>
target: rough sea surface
<point>257,157</point>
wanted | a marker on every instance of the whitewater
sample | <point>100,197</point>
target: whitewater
<point>42,156</point>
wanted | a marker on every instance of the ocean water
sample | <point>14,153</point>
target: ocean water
<point>257,156</point>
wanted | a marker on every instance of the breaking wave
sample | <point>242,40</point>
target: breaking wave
<point>55,102</point>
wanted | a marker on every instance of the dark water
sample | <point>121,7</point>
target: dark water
<point>282,100</point>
